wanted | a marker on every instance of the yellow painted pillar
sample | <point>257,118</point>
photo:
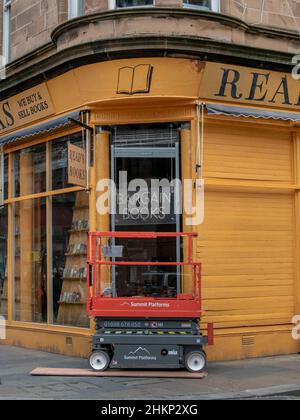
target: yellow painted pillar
<point>92,220</point>
<point>26,238</point>
<point>92,206</point>
<point>186,164</point>
<point>102,171</point>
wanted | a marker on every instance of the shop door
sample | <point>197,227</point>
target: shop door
<point>148,154</point>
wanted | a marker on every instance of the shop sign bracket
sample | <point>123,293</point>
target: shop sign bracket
<point>84,126</point>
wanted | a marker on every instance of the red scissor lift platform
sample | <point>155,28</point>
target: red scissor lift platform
<point>144,331</point>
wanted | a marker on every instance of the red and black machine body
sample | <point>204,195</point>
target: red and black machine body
<point>158,326</point>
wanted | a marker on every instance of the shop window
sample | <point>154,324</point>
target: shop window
<point>120,4</point>
<point>3,261</point>
<point>59,160</point>
<point>213,5</point>
<point>70,224</point>
<point>30,261</point>
<point>49,237</point>
<point>30,166</point>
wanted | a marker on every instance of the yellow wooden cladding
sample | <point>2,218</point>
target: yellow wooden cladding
<point>247,242</point>
<point>243,153</point>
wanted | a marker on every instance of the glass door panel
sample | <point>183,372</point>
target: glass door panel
<point>148,158</point>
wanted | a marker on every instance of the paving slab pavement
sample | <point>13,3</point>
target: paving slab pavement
<point>249,379</point>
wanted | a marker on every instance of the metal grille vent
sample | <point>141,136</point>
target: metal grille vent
<point>140,136</point>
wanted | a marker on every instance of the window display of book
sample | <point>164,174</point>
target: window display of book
<point>4,291</point>
<point>72,301</point>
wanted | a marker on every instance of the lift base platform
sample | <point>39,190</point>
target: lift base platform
<point>149,344</point>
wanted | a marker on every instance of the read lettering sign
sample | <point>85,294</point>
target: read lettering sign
<point>76,165</point>
<point>250,86</point>
<point>26,107</point>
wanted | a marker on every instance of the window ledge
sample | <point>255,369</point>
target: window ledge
<point>196,7</point>
<point>180,12</point>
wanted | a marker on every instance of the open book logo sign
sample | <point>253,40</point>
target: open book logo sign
<point>135,80</point>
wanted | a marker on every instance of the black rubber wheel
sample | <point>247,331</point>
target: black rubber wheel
<point>99,361</point>
<point>195,361</point>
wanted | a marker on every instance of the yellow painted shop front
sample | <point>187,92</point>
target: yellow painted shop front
<point>249,240</point>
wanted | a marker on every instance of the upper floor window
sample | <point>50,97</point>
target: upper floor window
<point>119,4</point>
<point>6,30</point>
<point>75,8</point>
<point>213,5</point>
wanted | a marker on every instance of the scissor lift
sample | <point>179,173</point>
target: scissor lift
<point>143,332</point>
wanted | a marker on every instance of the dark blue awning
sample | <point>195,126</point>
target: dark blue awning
<point>43,128</point>
<point>236,111</point>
